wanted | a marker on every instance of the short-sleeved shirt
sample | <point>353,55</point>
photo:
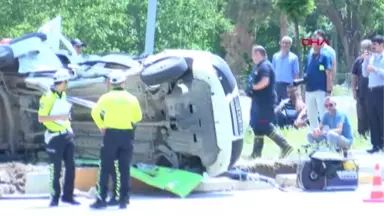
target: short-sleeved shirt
<point>315,70</point>
<point>117,109</point>
<point>266,96</point>
<point>375,78</point>
<point>362,82</point>
<point>338,118</point>
<point>45,106</point>
<point>327,50</point>
<point>286,67</point>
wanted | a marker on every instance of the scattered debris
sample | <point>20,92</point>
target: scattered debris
<point>13,176</point>
<point>269,168</point>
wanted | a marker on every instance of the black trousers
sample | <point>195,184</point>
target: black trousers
<point>117,145</point>
<point>62,148</point>
<point>262,119</point>
<point>375,112</point>
<point>281,90</point>
<point>362,107</point>
<point>115,179</point>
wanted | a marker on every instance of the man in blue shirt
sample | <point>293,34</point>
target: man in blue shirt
<point>286,66</point>
<point>318,72</point>
<point>328,50</point>
<point>334,128</point>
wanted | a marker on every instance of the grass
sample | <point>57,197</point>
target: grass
<point>297,137</point>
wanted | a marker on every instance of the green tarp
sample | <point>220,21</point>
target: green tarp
<point>176,181</point>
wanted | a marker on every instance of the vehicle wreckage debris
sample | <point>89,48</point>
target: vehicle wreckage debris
<point>269,168</point>
<point>13,177</point>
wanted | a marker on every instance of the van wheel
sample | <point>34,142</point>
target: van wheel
<point>164,70</point>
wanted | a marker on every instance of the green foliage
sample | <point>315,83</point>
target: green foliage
<point>296,9</point>
<point>374,16</point>
<point>120,25</point>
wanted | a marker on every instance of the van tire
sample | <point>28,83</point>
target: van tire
<point>164,70</point>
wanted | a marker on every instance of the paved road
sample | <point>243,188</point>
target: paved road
<point>256,202</point>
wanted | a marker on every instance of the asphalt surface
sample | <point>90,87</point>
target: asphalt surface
<point>255,202</point>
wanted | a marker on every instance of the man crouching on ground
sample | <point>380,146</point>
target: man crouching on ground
<point>334,128</point>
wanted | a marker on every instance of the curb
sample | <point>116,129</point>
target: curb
<point>289,180</point>
<point>227,184</point>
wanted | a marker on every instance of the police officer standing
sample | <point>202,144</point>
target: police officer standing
<point>116,114</point>
<point>262,92</point>
<point>59,139</point>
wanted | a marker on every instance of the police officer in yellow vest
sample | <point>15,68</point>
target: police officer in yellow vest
<point>59,139</point>
<point>116,114</point>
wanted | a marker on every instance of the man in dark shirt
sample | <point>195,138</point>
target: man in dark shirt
<point>261,90</point>
<point>318,71</point>
<point>360,90</point>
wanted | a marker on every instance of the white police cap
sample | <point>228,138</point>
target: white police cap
<point>61,75</point>
<point>116,77</point>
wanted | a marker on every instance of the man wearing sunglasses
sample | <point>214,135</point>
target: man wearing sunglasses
<point>334,128</point>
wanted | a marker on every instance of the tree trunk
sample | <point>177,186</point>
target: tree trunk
<point>298,44</point>
<point>283,25</point>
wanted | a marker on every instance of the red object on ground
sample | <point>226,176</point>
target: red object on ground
<point>377,192</point>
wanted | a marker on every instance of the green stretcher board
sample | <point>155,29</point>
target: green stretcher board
<point>176,181</point>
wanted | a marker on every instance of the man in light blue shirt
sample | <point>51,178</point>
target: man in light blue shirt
<point>335,128</point>
<point>326,49</point>
<point>286,66</point>
<point>373,68</point>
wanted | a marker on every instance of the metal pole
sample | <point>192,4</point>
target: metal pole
<point>151,27</point>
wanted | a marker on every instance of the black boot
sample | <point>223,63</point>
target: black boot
<point>70,201</point>
<point>123,203</point>
<point>280,141</point>
<point>54,202</point>
<point>258,145</point>
<point>113,201</point>
<point>99,204</point>
<point>373,150</point>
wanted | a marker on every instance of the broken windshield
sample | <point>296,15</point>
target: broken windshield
<point>224,73</point>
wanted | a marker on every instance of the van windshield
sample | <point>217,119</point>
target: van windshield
<point>224,74</point>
